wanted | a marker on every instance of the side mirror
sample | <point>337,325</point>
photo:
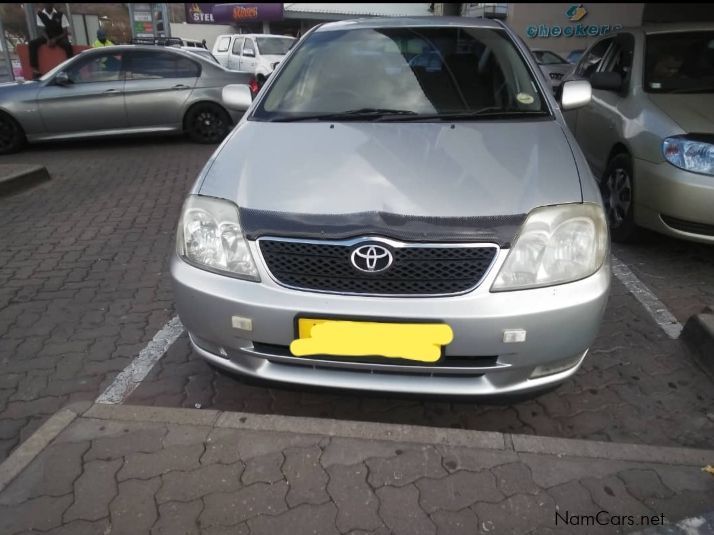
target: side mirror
<point>575,94</point>
<point>237,97</point>
<point>608,81</point>
<point>249,53</point>
<point>62,78</point>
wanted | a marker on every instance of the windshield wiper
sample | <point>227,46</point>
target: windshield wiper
<point>692,90</point>
<point>348,115</point>
<point>486,113</point>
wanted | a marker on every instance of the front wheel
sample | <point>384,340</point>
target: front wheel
<point>207,123</point>
<point>617,190</point>
<point>12,138</point>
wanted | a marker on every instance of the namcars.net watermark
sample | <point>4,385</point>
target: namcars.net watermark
<point>605,518</point>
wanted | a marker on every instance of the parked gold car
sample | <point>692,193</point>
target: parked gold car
<point>648,132</point>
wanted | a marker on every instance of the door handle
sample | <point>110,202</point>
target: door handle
<point>110,91</point>
<point>180,86</point>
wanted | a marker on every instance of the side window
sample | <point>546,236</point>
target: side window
<point>237,46</point>
<point>157,65</point>
<point>96,68</point>
<point>224,43</point>
<point>620,58</point>
<point>590,62</point>
<point>249,47</point>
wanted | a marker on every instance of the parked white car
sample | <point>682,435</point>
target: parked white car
<point>254,53</point>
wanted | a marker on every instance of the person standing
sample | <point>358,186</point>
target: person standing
<point>53,26</point>
<point>102,39</point>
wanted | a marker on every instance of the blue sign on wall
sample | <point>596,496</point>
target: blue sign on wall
<point>575,13</point>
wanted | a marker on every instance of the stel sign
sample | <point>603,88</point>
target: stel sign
<point>575,13</point>
<point>201,13</point>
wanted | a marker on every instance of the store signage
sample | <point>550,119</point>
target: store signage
<point>575,13</point>
<point>202,13</point>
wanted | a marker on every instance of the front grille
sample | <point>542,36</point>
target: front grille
<point>422,270</point>
<point>689,226</point>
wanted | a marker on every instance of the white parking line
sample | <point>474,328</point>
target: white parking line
<point>130,377</point>
<point>654,307</point>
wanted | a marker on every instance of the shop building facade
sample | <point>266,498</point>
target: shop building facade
<point>560,27</point>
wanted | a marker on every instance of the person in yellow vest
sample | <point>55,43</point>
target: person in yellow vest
<point>102,39</point>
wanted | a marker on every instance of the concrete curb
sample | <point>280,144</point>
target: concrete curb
<point>33,446</point>
<point>487,440</point>
<point>409,433</point>
<point>14,177</point>
<point>698,333</point>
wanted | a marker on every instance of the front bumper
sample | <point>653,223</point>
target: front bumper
<point>666,195</point>
<point>561,322</point>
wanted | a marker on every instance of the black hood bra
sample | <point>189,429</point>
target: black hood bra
<point>500,230</point>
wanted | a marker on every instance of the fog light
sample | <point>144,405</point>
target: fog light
<point>244,324</point>
<point>555,367</point>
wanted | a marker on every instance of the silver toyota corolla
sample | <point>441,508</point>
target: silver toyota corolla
<point>120,90</point>
<point>386,224</point>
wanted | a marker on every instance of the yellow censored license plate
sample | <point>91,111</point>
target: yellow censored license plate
<point>412,341</point>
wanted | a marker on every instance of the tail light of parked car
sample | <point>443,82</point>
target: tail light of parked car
<point>254,86</point>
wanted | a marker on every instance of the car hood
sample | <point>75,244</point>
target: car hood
<point>272,58</point>
<point>412,169</point>
<point>693,112</point>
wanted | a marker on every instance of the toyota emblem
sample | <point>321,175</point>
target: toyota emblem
<point>371,258</point>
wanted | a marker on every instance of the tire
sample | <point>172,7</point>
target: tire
<point>617,189</point>
<point>12,137</point>
<point>207,123</point>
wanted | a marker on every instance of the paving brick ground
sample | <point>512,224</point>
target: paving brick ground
<point>680,273</point>
<point>83,283</point>
<point>112,473</point>
<point>84,286</point>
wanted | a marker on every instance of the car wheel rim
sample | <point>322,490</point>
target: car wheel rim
<point>617,196</point>
<point>7,133</point>
<point>209,125</point>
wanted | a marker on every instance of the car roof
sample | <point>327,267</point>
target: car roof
<point>133,47</point>
<point>668,27</point>
<point>184,51</point>
<point>406,22</point>
<point>255,35</point>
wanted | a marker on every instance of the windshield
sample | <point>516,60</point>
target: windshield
<point>405,71</point>
<point>545,57</point>
<point>274,46</point>
<point>681,62</point>
<point>575,56</point>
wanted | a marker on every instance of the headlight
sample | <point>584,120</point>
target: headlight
<point>689,154</point>
<point>210,237</point>
<point>557,244</point>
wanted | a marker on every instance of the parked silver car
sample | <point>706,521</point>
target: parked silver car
<point>553,66</point>
<point>203,52</point>
<point>427,230</point>
<point>120,90</point>
<point>649,131</point>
